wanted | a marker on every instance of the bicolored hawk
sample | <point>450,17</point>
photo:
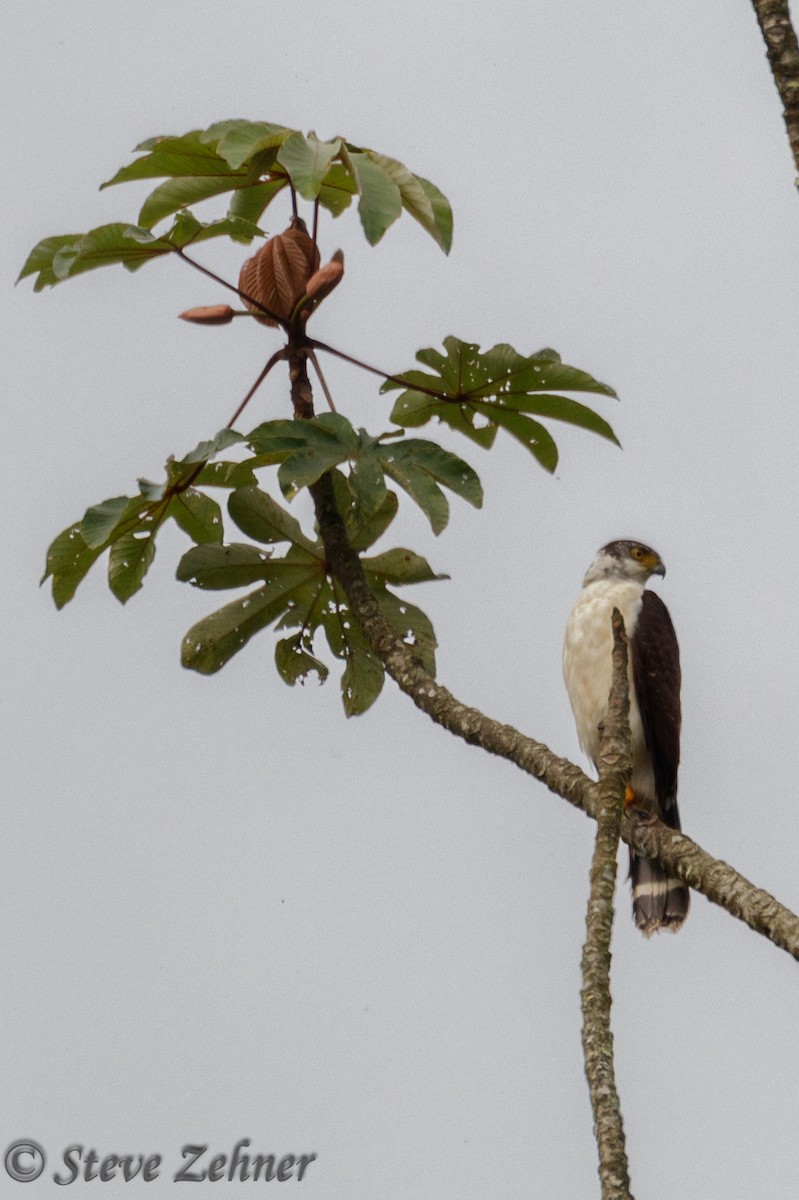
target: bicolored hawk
<point>617,578</point>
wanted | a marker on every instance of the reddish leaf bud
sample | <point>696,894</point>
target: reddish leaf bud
<point>323,281</point>
<point>208,314</point>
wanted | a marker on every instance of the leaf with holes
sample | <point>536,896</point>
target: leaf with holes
<point>296,593</point>
<point>128,525</point>
<point>413,626</point>
<point>476,393</point>
<point>295,662</point>
<point>399,566</point>
<point>213,641</point>
<point>419,467</point>
<point>364,521</point>
<point>362,681</point>
<point>69,560</point>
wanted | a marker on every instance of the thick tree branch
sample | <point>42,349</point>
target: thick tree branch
<point>674,851</point>
<point>615,765</point>
<point>774,19</point>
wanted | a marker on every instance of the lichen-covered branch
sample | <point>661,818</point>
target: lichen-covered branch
<point>680,856</point>
<point>717,880</point>
<point>774,19</point>
<point>614,775</point>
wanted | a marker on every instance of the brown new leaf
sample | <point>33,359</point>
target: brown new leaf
<point>277,275</point>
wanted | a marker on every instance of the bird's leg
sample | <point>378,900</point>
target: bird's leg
<point>636,806</point>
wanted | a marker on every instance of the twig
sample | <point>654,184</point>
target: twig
<point>356,362</point>
<point>276,357</point>
<point>322,380</point>
<point>614,774</point>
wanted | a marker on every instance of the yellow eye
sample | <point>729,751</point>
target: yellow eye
<point>637,552</point>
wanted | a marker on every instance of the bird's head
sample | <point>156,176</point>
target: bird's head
<point>624,559</point>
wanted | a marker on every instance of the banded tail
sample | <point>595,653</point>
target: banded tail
<point>659,902</point>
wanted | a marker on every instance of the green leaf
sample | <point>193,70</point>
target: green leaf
<point>532,435</point>
<point>188,230</point>
<point>424,490</point>
<point>220,129</point>
<point>273,441</point>
<point>129,561</point>
<point>108,244</point>
<point>418,199</point>
<point>216,567</point>
<point>260,517</point>
<point>185,156</point>
<point>226,475</point>
<point>561,408</point>
<point>307,161</point>
<point>176,194</point>
<point>68,562</point>
<point>244,139</point>
<point>296,593</point>
<point>197,515</point>
<point>399,566</point>
<point>364,526</point>
<point>447,468</point>
<point>442,213</point>
<point>205,450</point>
<point>100,520</point>
<point>294,662</point>
<point>40,260</point>
<point>328,440</point>
<point>249,203</point>
<point>380,200</point>
<point>305,449</point>
<point>418,466</point>
<point>362,681</point>
<point>338,188</point>
<point>368,484</point>
<point>212,641</point>
<point>366,529</point>
<point>413,626</point>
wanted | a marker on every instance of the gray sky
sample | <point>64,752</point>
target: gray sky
<point>229,912</point>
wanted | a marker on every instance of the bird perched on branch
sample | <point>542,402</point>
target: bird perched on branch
<point>617,578</point>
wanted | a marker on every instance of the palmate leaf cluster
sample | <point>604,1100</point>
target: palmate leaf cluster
<point>295,591</point>
<point>256,161</point>
<point>475,393</point>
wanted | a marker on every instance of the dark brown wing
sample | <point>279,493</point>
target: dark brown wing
<point>656,675</point>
